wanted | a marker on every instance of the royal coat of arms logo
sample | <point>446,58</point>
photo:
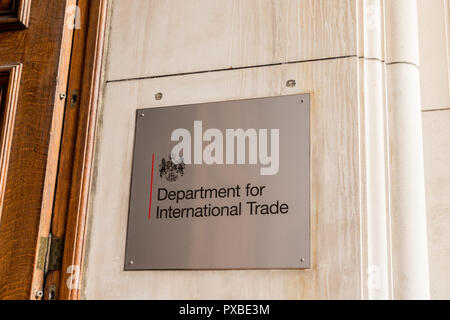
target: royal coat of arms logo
<point>171,169</point>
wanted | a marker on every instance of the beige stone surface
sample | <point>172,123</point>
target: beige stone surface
<point>336,272</point>
<point>154,37</point>
<point>436,128</point>
<point>172,46</point>
<point>434,34</point>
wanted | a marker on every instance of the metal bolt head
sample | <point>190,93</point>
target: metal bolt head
<point>62,95</point>
<point>302,260</point>
<point>141,114</point>
<point>39,294</point>
<point>291,83</point>
<point>131,262</point>
<point>158,96</point>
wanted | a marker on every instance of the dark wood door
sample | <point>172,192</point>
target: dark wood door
<point>35,46</point>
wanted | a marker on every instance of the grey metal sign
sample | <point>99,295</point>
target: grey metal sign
<point>221,185</point>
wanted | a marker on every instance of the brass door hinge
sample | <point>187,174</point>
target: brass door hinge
<point>50,253</point>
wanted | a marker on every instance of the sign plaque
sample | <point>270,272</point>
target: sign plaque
<point>222,185</point>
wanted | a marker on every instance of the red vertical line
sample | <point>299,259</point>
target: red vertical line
<point>151,188</point>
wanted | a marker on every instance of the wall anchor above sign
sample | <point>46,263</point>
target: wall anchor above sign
<point>222,185</point>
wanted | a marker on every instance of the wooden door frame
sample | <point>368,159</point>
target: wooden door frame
<point>46,138</point>
<point>17,17</point>
<point>77,145</point>
<point>36,46</point>
<point>9,106</point>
